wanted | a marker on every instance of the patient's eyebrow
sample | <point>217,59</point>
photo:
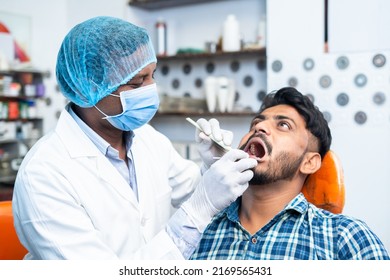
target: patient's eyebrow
<point>262,117</point>
<point>282,117</point>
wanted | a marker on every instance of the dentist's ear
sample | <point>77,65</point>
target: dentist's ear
<point>311,163</point>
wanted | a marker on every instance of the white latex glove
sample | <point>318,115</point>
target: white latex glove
<point>226,180</point>
<point>206,148</point>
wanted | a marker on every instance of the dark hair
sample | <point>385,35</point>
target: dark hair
<point>315,121</point>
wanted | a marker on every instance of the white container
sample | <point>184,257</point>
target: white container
<point>231,39</point>
<point>161,28</point>
<point>261,32</point>
<point>231,96</point>
<point>211,87</point>
<point>223,93</point>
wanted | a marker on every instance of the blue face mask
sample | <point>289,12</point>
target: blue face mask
<point>139,106</point>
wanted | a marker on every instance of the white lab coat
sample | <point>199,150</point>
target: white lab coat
<point>71,203</point>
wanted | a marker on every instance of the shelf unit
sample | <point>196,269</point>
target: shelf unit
<point>258,56</point>
<point>181,77</point>
<point>260,53</point>
<point>20,127</point>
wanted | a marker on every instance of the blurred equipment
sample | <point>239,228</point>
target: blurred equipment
<point>169,104</point>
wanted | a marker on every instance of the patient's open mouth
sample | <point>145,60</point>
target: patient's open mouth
<point>255,148</point>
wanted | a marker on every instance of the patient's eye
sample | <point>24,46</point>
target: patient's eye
<point>284,125</point>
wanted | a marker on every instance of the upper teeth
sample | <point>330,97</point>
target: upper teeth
<point>252,149</point>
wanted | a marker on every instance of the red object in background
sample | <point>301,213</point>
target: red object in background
<point>19,52</point>
<point>13,110</point>
<point>161,28</point>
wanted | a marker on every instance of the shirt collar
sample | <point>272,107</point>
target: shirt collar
<point>298,204</point>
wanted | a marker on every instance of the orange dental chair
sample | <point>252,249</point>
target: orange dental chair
<point>10,247</point>
<point>325,188</point>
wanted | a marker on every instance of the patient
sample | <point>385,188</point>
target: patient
<point>273,220</point>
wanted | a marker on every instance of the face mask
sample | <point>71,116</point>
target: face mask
<point>139,106</point>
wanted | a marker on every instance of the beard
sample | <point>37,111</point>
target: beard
<point>284,167</point>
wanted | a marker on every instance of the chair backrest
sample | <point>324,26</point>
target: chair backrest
<point>10,246</point>
<point>325,188</point>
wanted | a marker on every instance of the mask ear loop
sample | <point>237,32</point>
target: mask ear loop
<point>105,115</point>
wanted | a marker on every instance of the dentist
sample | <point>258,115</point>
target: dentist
<point>104,184</point>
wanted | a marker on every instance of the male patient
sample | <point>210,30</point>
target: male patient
<point>273,220</point>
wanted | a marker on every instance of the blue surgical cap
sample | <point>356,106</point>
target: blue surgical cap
<point>99,55</point>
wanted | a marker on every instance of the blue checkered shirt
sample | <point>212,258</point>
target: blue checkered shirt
<point>301,231</point>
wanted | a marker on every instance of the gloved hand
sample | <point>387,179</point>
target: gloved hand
<point>206,148</point>
<point>220,185</point>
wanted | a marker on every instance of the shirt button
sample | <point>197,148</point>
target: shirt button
<point>254,240</point>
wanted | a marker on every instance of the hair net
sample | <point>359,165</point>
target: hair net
<point>99,55</point>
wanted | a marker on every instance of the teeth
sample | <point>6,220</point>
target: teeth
<point>253,149</point>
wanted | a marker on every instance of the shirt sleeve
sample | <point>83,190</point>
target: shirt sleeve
<point>357,242</point>
<point>183,232</point>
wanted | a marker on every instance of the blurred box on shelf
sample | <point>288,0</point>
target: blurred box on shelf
<point>169,104</point>
<point>13,110</point>
<point>7,131</point>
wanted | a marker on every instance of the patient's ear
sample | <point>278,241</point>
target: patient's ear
<point>311,163</point>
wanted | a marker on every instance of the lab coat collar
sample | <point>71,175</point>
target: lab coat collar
<point>79,145</point>
<point>75,140</point>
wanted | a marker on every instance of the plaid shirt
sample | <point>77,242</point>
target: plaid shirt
<point>300,231</point>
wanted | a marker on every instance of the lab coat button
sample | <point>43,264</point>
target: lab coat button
<point>143,222</point>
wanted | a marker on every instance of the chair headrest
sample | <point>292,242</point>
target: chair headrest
<point>325,188</point>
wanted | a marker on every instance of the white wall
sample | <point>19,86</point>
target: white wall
<point>354,28</point>
<point>296,32</point>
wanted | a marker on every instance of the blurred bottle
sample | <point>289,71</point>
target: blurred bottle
<point>261,32</point>
<point>231,39</point>
<point>161,28</point>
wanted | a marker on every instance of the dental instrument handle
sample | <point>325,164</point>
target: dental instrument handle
<point>219,143</point>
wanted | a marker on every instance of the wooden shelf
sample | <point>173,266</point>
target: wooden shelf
<point>45,74</point>
<point>18,98</point>
<point>244,53</point>
<point>162,4</point>
<point>199,114</point>
<point>21,120</point>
